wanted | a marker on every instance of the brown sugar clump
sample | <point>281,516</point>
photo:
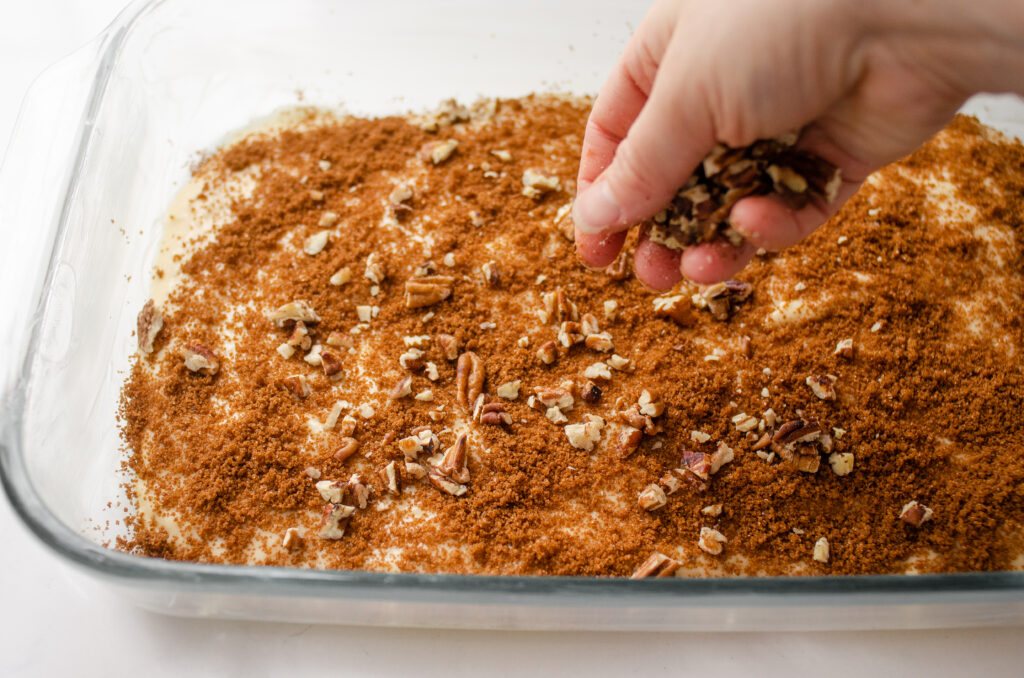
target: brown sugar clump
<point>875,364</point>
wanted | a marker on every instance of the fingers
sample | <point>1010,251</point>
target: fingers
<point>623,95</point>
<point>669,137</point>
<point>655,265</point>
<point>597,250</point>
<point>713,262</point>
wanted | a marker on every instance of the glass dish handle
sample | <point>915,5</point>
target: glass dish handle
<point>43,154</point>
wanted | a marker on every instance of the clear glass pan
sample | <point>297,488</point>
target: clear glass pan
<point>105,139</point>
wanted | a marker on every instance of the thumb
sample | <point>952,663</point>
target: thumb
<point>670,136</point>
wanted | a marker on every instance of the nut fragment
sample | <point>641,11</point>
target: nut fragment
<point>392,480</point>
<point>591,393</point>
<point>412,359</point>
<point>600,341</point>
<point>454,462</point>
<point>547,353</point>
<point>721,298</point>
<point>509,390</point>
<point>652,498</point>
<point>292,538</point>
<point>335,520</point>
<point>841,463</point>
<point>598,370</point>
<point>627,439</point>
<point>674,307</point>
<point>714,510</point>
<point>657,566</point>
<point>491,274</point>
<point>570,334</point>
<point>494,414</point>
<point>620,268</point>
<point>439,151</point>
<point>797,431</point>
<point>331,362</point>
<point>711,541</point>
<point>844,349</point>
<point>558,307</point>
<point>586,435</point>
<point>536,184</point>
<point>555,397</point>
<point>915,513</point>
<point>199,358</point>
<point>821,551</point>
<point>294,311</point>
<point>822,385</point>
<point>315,243</point>
<point>449,346</point>
<point>469,379</point>
<point>346,449</point>
<point>427,290</point>
<point>617,362</point>
<point>650,405</point>
<point>401,389</point>
<point>744,422</point>
<point>722,456</point>
<point>148,325</point>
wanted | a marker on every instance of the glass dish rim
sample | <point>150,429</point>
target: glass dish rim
<point>137,570</point>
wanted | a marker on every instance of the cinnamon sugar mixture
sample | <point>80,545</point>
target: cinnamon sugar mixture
<point>384,354</point>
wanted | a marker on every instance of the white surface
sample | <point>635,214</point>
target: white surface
<point>55,622</point>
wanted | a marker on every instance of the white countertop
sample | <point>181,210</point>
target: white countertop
<point>54,621</point>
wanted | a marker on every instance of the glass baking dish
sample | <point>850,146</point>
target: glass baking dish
<point>105,139</point>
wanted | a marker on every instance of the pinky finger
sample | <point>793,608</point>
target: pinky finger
<point>656,265</point>
<point>714,262</point>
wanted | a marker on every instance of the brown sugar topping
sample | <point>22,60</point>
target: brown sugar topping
<point>928,404</point>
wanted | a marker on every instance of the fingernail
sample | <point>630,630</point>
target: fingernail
<point>596,209</point>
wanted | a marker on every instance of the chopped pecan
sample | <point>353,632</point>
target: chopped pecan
<point>536,184</point>
<point>821,552</point>
<point>199,358</point>
<point>412,359</point>
<point>347,448</point>
<point>454,462</point>
<point>744,422</point>
<point>697,463</point>
<point>299,338</point>
<point>591,392</point>
<point>598,370</point>
<point>335,520</point>
<point>509,390</point>
<point>438,151</point>
<point>449,346</point>
<point>600,341</point>
<point>427,290</point>
<point>558,308</point>
<point>711,541</point>
<point>555,397</point>
<point>331,362</point>
<point>547,353</point>
<point>844,349</point>
<point>292,538</point>
<point>657,566</point>
<point>721,298</point>
<point>670,482</point>
<point>841,463</point>
<point>494,414</point>
<point>316,243</point>
<point>293,312</point>
<point>469,379</point>
<point>570,334</point>
<point>627,439</point>
<point>620,268</point>
<point>674,307</point>
<point>391,478</point>
<point>797,431</point>
<point>492,276</point>
<point>720,457</point>
<point>808,463</point>
<point>586,435</point>
<point>148,325</point>
<point>652,498</point>
<point>713,510</point>
<point>445,484</point>
<point>915,513</point>
<point>822,385</point>
<point>401,389</point>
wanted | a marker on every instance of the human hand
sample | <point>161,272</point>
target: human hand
<point>867,83</point>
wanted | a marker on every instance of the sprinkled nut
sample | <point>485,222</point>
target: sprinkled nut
<point>670,482</point>
<point>699,436</point>
<point>590,393</point>
<point>331,362</point>
<point>744,422</point>
<point>341,276</point>
<point>822,385</point>
<point>412,359</point>
<point>675,308</point>
<point>392,480</point>
<point>650,405</point>
<point>714,510</point>
<point>294,311</point>
<point>598,370</point>
<point>424,396</point>
<point>627,439</point>
<point>348,425</point>
<point>366,411</point>
<point>588,324</point>
<point>439,151</point>
<point>493,414</point>
<point>536,184</point>
<point>509,390</point>
<point>199,358</point>
<point>841,463</point>
<point>401,389</point>
<point>617,362</point>
<point>375,272</point>
<point>555,416</point>
<point>491,274</point>
<point>315,243</point>
<point>148,325</point>
<point>611,310</point>
<point>711,541</point>
<point>586,435</point>
<point>720,457</point>
<point>312,472</point>
<point>652,498</point>
<point>657,566</point>
<point>915,513</point>
<point>449,346</point>
<point>821,551</point>
<point>292,538</point>
<point>469,379</point>
<point>335,520</point>
<point>601,341</point>
<point>844,349</point>
<point>547,353</point>
<point>346,449</point>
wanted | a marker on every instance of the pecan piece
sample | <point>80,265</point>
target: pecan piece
<point>675,308</point>
<point>347,448</point>
<point>797,431</point>
<point>494,414</point>
<point>591,393</point>
<point>335,520</point>
<point>454,462</point>
<point>822,385</point>
<point>711,541</point>
<point>293,312</point>
<point>449,346</point>
<point>391,478</point>
<point>148,325</point>
<point>469,379</point>
<point>619,269</point>
<point>915,513</point>
<point>199,358</point>
<point>821,551</point>
<point>547,353</point>
<point>331,362</point>
<point>656,566</point>
<point>444,483</point>
<point>427,290</point>
<point>298,385</point>
<point>652,498</point>
<point>627,439</point>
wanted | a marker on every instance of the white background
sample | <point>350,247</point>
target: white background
<point>54,622</point>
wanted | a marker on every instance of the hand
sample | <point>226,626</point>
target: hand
<point>867,82</point>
